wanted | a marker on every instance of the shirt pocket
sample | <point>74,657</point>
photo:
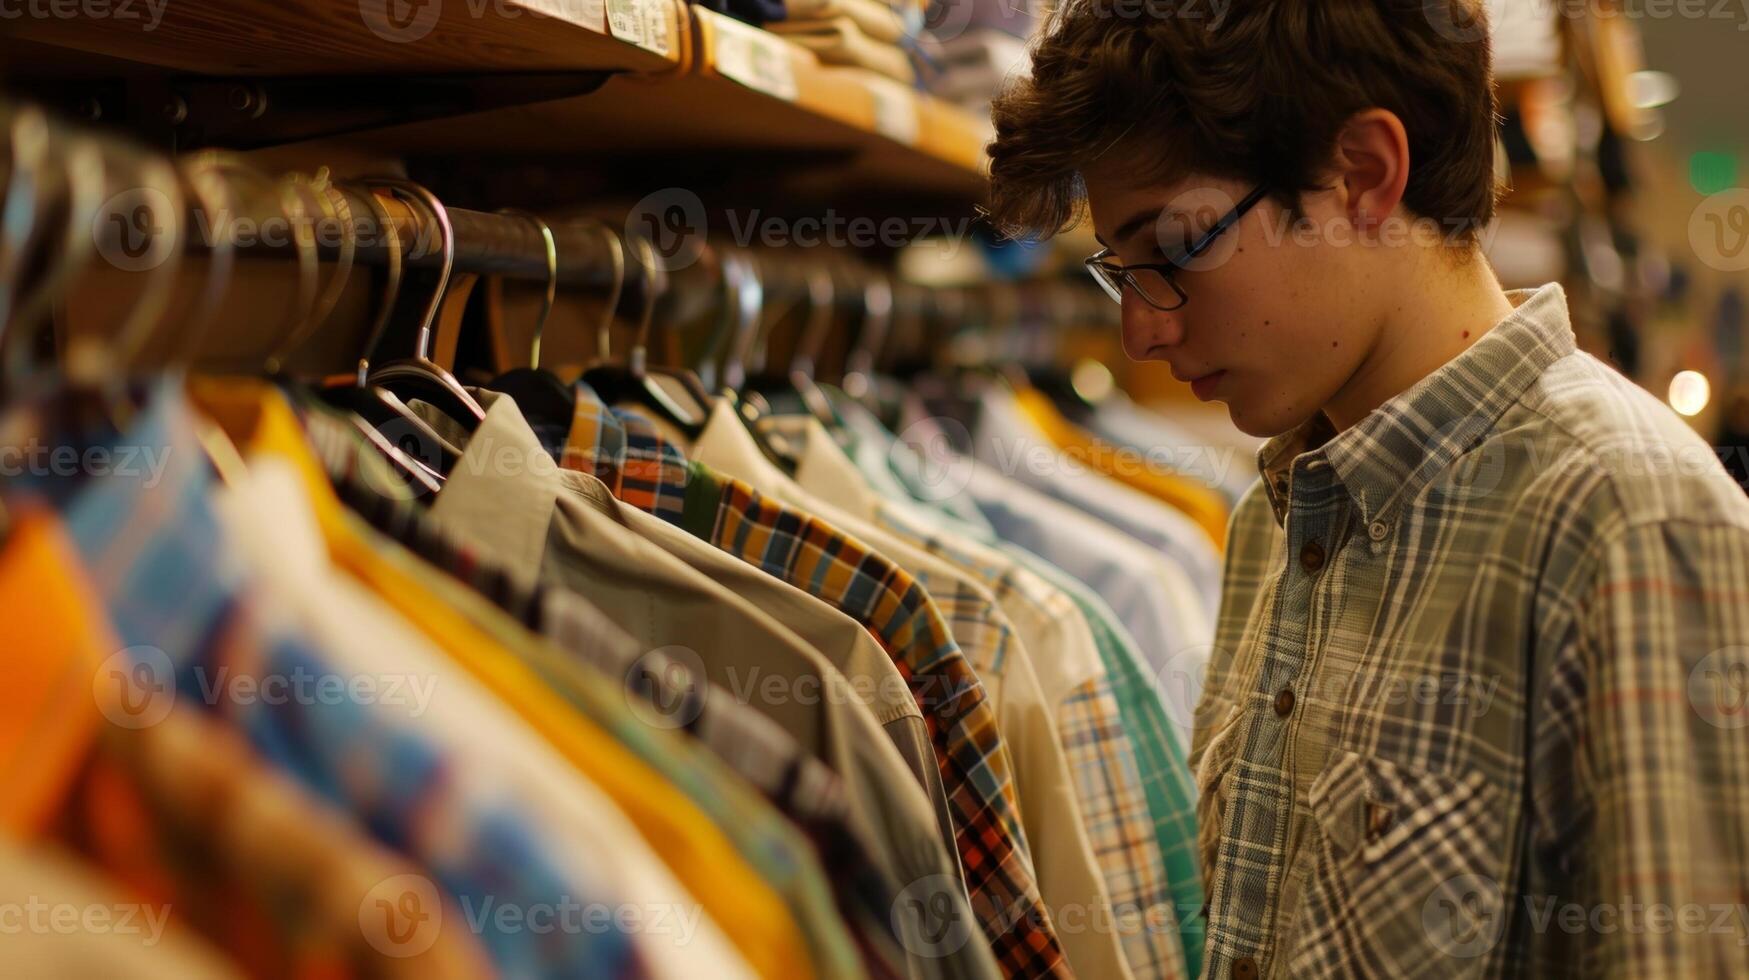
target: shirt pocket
<point>1406,874</point>
<point>1212,790</point>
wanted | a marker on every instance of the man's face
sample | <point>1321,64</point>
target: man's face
<point>1278,316</point>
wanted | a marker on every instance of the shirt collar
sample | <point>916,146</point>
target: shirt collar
<point>1391,454</point>
<point>502,491</point>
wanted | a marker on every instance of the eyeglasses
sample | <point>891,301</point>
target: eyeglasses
<point>1154,282</point>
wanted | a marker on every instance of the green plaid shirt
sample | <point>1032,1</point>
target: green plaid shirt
<point>1477,704</point>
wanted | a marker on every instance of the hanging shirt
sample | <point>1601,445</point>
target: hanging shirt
<point>674,694</point>
<point>1158,738</point>
<point>969,749</point>
<point>1068,872</point>
<point>368,641</point>
<point>1479,662</point>
<point>197,631</point>
<point>704,859</point>
<point>142,945</point>
<point>1221,465</point>
<point>1153,477</point>
<point>1108,783</point>
<point>1009,443</point>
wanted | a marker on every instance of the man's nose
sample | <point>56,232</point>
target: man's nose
<point>1145,328</point>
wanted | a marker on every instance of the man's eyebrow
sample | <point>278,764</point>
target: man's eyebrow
<point>1132,225</point>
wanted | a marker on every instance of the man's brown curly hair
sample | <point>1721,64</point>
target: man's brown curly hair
<point>1255,91</point>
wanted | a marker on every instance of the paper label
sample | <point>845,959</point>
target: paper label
<point>658,27</point>
<point>585,13</point>
<point>755,58</point>
<point>625,20</point>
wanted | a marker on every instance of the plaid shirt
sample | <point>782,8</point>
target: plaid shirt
<point>1108,781</point>
<point>1476,706</point>
<point>158,559</point>
<point>649,473</point>
<point>1166,780</point>
<point>804,789</point>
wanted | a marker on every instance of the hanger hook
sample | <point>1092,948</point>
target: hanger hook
<point>617,259</point>
<point>656,283</point>
<point>822,293</point>
<point>392,289</point>
<point>86,177</point>
<point>320,308</point>
<point>446,239</point>
<point>149,310</point>
<point>552,293</point>
<point>206,177</point>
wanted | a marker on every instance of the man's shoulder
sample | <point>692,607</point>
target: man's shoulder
<point>1637,456</point>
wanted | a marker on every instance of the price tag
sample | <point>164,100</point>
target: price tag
<point>658,27</point>
<point>625,20</point>
<point>895,111</point>
<point>585,13</point>
<point>755,58</point>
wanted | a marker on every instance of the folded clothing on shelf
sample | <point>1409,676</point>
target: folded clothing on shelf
<point>973,67</point>
<point>839,41</point>
<point>878,19</point>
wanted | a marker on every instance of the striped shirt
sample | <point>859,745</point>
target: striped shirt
<point>1477,702</point>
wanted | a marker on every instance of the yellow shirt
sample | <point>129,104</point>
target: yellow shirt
<point>1201,504</point>
<point>749,911</point>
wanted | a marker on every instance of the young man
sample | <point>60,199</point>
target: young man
<point>1477,704</point>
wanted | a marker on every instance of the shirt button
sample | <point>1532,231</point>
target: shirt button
<point>1378,531</point>
<point>1244,968</point>
<point>1312,557</point>
<point>1378,820</point>
<point>1284,702</point>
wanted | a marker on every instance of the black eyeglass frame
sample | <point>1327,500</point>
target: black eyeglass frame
<point>1113,278</point>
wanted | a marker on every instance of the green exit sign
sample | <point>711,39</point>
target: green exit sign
<point>1712,172</point>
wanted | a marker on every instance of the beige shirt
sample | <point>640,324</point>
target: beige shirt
<point>1069,876</point>
<point>669,590</point>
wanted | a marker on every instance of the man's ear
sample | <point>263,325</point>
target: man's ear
<point>1371,166</point>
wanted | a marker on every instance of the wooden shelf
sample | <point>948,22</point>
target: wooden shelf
<point>751,100</point>
<point>715,93</point>
<point>353,37</point>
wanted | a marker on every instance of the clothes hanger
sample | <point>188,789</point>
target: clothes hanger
<point>543,398</point>
<point>633,381</point>
<point>34,188</point>
<point>871,338</point>
<point>419,376</point>
<point>335,206</point>
<point>375,412</point>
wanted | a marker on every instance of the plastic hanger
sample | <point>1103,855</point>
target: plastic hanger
<point>634,382</point>
<point>543,398</point>
<point>419,376</point>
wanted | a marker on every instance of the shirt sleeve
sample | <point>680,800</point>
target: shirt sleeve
<point>1664,768</point>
